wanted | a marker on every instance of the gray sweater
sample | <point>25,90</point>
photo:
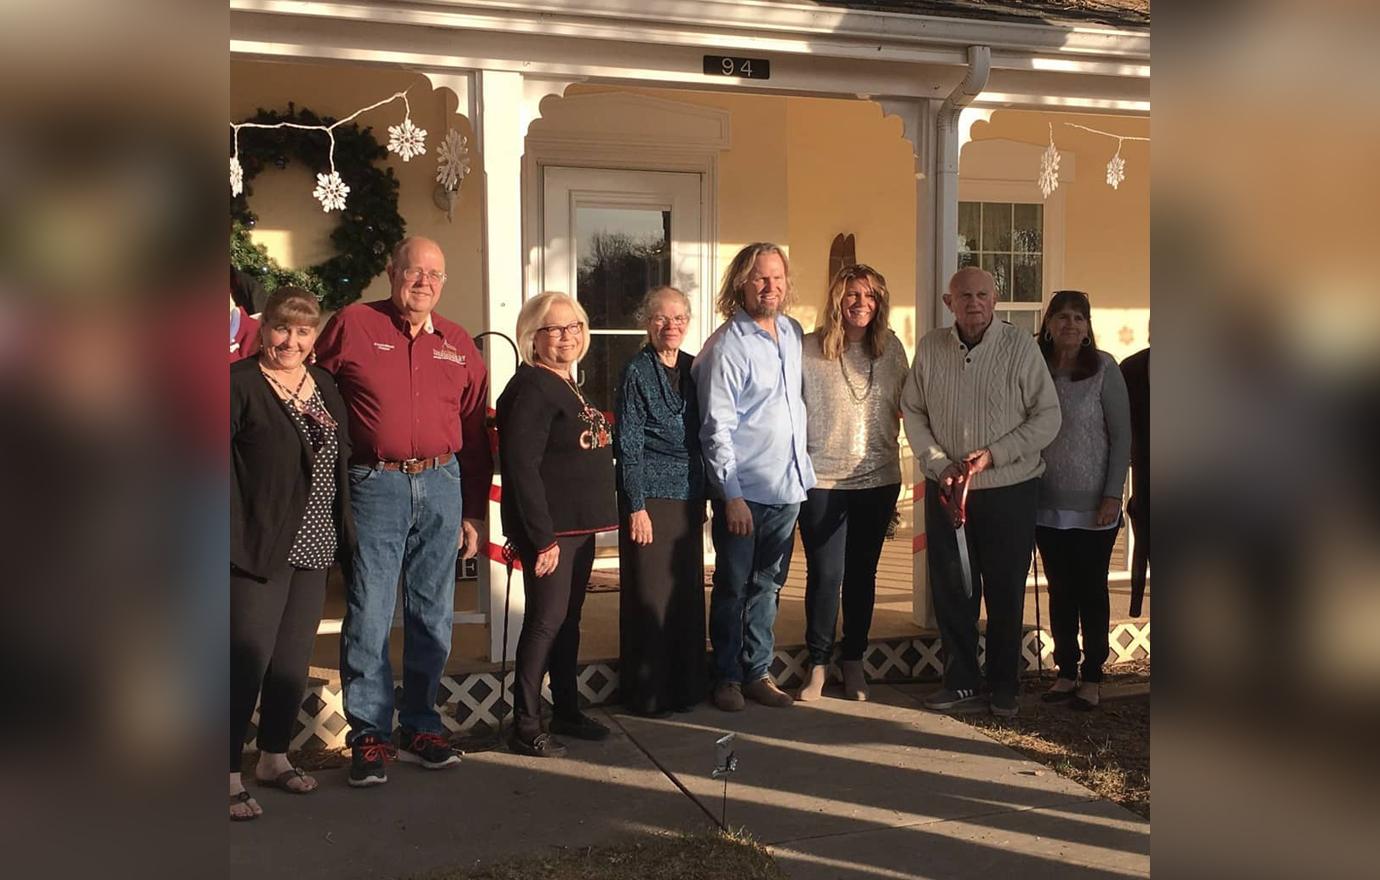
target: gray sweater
<point>1088,460</point>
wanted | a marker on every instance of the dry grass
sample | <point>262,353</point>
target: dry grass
<point>711,856</point>
<point>1107,750</point>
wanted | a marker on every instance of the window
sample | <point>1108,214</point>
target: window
<point>1007,239</point>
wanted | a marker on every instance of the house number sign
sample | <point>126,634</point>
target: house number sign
<point>727,65</point>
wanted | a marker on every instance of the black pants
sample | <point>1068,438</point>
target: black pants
<point>842,531</point>
<point>1076,562</point>
<point>550,638</point>
<point>661,609</point>
<point>272,629</point>
<point>1001,535</point>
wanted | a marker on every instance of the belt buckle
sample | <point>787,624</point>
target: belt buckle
<point>412,466</point>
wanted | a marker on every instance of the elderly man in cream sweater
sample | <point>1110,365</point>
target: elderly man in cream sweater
<point>980,401</point>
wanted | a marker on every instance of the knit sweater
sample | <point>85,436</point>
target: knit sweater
<point>853,442</point>
<point>656,432</point>
<point>996,395</point>
<point>1088,459</point>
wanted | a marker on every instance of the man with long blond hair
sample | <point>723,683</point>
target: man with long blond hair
<point>753,436</point>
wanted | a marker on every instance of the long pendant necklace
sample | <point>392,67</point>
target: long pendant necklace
<point>867,391</point>
<point>313,407</point>
<point>596,434</point>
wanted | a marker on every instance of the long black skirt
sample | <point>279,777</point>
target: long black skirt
<point>661,609</point>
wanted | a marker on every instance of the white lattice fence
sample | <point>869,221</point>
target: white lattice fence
<point>477,698</point>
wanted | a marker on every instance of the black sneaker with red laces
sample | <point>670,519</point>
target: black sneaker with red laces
<point>429,749</point>
<point>369,756</point>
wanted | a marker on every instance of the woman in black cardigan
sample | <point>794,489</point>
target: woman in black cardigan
<point>289,519</point>
<point>555,455</point>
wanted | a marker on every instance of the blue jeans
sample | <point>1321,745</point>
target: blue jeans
<point>749,571</point>
<point>409,527</point>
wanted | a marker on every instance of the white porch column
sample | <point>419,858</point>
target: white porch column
<point>499,131</point>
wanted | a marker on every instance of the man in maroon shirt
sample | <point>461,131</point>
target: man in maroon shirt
<point>417,391</point>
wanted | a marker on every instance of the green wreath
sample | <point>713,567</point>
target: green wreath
<point>369,226</point>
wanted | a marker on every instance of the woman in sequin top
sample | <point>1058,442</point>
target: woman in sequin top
<point>289,520</point>
<point>661,503</point>
<point>854,368</point>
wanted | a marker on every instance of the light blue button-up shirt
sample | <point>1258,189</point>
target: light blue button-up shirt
<point>754,416</point>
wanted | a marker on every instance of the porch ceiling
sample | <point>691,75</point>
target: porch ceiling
<point>813,49</point>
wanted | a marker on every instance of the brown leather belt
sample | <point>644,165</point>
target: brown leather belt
<point>414,465</point>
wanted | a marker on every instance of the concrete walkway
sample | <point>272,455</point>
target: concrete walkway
<point>835,789</point>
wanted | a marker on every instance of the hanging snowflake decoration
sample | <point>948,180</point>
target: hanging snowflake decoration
<point>236,176</point>
<point>1116,169</point>
<point>453,161</point>
<point>407,140</point>
<point>331,191</point>
<point>1049,167</point>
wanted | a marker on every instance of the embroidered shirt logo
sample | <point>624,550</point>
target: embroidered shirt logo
<point>448,352</point>
<point>383,346</point>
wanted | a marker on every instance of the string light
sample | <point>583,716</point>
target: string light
<point>1049,160</point>
<point>406,140</point>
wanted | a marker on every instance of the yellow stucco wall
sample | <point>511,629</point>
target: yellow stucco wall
<point>1107,231</point>
<point>799,171</point>
<point>291,222</point>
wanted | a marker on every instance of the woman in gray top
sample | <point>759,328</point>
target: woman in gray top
<point>854,368</point>
<point>1079,509</point>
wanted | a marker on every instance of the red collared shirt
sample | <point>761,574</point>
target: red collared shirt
<point>411,397</point>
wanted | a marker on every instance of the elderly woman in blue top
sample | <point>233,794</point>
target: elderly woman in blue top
<point>661,508</point>
<point>748,379</point>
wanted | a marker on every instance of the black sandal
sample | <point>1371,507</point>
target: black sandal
<point>282,779</point>
<point>244,797</point>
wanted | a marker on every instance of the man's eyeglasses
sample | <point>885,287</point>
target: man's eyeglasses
<point>433,276</point>
<point>555,330</point>
<point>677,321</point>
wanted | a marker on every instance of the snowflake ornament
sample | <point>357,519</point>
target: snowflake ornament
<point>331,191</point>
<point>407,140</point>
<point>453,161</point>
<point>1049,168</point>
<point>1116,170</point>
<point>236,176</point>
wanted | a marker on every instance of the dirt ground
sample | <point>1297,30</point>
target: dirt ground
<point>708,856</point>
<point>1107,750</point>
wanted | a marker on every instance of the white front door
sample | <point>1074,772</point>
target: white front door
<point>609,237</point>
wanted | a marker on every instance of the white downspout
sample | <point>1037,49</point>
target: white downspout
<point>946,174</point>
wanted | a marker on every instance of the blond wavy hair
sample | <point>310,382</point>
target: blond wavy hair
<point>831,323</point>
<point>736,278</point>
<point>533,316</point>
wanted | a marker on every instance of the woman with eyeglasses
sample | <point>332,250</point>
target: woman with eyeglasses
<point>854,369</point>
<point>289,520</point>
<point>555,452</point>
<point>661,504</point>
<point>1079,508</point>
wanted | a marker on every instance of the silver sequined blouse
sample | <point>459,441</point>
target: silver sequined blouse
<point>854,428</point>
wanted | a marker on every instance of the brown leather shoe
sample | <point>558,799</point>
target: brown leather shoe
<point>728,696</point>
<point>765,691</point>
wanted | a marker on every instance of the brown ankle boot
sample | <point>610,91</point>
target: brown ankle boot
<point>813,688</point>
<point>854,680</point>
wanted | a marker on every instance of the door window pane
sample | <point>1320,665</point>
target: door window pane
<point>621,253</point>
<point>602,367</point>
<point>1000,267</point>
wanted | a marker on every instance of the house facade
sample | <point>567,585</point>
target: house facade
<point>616,144</point>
